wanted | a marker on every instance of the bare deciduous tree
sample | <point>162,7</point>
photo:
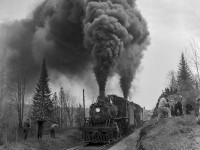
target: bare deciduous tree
<point>80,116</point>
<point>56,108</point>
<point>2,90</point>
<point>172,80</point>
<point>193,53</point>
<point>69,107</point>
<point>61,103</point>
<point>18,98</point>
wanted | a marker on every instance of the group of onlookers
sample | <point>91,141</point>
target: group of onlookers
<point>175,106</point>
<point>40,130</point>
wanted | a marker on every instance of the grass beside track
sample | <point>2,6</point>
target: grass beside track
<point>62,141</point>
<point>175,133</point>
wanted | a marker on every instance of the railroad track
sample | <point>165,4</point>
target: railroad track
<point>86,146</point>
<point>78,147</point>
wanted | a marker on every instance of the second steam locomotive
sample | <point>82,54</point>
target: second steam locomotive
<point>110,117</point>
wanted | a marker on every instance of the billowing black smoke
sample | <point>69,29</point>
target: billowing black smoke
<point>75,36</point>
<point>54,32</point>
<point>116,33</point>
<point>129,62</point>
<point>105,34</point>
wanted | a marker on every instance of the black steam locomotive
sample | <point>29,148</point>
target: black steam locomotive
<point>111,117</point>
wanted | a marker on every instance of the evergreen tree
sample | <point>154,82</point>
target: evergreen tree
<point>42,103</point>
<point>185,78</point>
<point>186,84</point>
<point>55,100</point>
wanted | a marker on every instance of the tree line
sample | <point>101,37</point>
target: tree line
<point>184,81</point>
<point>61,108</point>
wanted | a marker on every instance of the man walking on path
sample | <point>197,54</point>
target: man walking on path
<point>162,107</point>
<point>27,126</point>
<point>52,130</point>
<point>40,127</point>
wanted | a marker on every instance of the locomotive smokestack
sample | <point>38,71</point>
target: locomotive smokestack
<point>126,97</point>
<point>102,93</point>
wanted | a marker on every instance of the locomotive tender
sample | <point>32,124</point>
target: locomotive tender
<point>110,117</point>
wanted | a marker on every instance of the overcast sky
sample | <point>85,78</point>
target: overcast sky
<point>172,24</point>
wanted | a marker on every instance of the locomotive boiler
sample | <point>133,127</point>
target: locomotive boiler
<point>109,118</point>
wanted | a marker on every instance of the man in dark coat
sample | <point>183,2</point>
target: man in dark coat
<point>27,125</point>
<point>178,106</point>
<point>40,123</point>
<point>197,107</point>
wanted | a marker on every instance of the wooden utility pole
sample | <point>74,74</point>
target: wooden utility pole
<point>84,104</point>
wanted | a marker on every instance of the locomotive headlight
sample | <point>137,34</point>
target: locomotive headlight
<point>97,110</point>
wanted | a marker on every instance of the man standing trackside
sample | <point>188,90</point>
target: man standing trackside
<point>178,106</point>
<point>162,107</point>
<point>27,126</point>
<point>40,127</point>
<point>197,108</point>
<point>52,130</point>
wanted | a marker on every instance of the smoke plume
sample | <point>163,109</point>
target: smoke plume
<point>105,34</point>
<point>129,62</point>
<point>114,28</point>
<point>55,32</point>
<point>75,36</point>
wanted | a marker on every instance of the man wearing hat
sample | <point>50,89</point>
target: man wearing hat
<point>178,104</point>
<point>162,107</point>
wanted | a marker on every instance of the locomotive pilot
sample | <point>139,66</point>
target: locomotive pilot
<point>162,107</point>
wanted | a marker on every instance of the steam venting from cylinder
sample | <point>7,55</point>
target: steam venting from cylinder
<point>75,36</point>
